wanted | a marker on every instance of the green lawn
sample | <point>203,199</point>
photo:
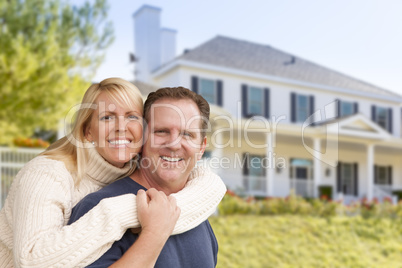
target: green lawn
<point>305,241</point>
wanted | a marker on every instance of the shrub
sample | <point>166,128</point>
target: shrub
<point>29,142</point>
<point>233,204</point>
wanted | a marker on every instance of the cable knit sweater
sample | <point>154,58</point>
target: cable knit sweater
<point>33,231</point>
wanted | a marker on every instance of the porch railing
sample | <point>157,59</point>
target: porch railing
<point>302,187</point>
<point>11,161</point>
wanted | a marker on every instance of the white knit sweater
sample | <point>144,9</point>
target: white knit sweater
<point>33,231</point>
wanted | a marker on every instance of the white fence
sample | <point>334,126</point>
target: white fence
<point>11,161</point>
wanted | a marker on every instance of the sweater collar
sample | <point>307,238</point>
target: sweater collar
<point>100,170</point>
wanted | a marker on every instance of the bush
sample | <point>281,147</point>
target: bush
<point>29,142</point>
<point>233,204</point>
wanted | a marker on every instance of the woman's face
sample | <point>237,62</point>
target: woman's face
<point>116,130</point>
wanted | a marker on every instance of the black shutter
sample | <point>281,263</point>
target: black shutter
<point>290,168</point>
<point>338,108</point>
<point>390,175</point>
<point>338,177</point>
<point>244,100</point>
<point>356,178</point>
<point>373,113</point>
<point>312,119</point>
<point>219,89</point>
<point>355,107</point>
<point>390,120</point>
<point>375,176</point>
<point>266,103</point>
<point>293,107</point>
<point>194,84</point>
<point>245,167</point>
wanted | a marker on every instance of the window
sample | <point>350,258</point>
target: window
<point>255,101</point>
<point>382,116</point>
<point>254,174</point>
<point>347,178</point>
<point>302,106</point>
<point>300,169</point>
<point>207,155</point>
<point>345,108</point>
<point>211,90</point>
<point>383,175</point>
<point>207,90</point>
<point>347,184</point>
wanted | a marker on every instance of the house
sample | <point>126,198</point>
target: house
<point>280,122</point>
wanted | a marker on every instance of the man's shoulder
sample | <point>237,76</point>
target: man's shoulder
<point>120,187</point>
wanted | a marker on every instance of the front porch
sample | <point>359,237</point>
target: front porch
<point>353,156</point>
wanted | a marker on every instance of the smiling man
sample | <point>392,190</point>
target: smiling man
<point>175,139</point>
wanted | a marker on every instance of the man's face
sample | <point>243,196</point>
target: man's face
<point>173,143</point>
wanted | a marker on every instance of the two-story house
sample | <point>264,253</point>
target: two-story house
<point>279,122</point>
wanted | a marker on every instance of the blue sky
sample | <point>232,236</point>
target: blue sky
<point>361,38</point>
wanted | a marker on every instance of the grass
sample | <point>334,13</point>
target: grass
<point>306,241</point>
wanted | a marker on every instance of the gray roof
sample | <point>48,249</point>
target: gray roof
<point>145,88</point>
<point>228,52</point>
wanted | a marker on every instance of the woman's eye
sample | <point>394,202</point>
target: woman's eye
<point>107,118</point>
<point>133,117</point>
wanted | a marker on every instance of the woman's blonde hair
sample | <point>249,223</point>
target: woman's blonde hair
<point>73,148</point>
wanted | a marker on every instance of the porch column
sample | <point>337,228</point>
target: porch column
<point>317,166</point>
<point>370,175</point>
<point>269,174</point>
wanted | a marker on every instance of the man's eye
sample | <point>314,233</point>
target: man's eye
<point>187,134</point>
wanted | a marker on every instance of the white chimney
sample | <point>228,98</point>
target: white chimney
<point>168,45</point>
<point>153,45</point>
<point>147,41</point>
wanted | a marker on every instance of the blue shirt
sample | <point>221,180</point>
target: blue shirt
<point>195,248</point>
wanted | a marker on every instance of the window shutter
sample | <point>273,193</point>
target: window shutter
<point>338,108</point>
<point>355,107</point>
<point>266,103</point>
<point>375,174</point>
<point>312,119</point>
<point>244,100</point>
<point>338,177</point>
<point>194,84</point>
<point>219,89</point>
<point>290,168</point>
<point>390,175</point>
<point>373,112</point>
<point>245,167</point>
<point>293,107</point>
<point>390,120</point>
<point>356,178</point>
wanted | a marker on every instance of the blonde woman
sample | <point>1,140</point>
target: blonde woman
<point>106,136</point>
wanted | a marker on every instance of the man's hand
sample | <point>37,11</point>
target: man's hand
<point>157,212</point>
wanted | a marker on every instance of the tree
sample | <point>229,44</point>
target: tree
<point>49,52</point>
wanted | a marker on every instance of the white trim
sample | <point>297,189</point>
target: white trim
<point>176,63</point>
<point>378,132</point>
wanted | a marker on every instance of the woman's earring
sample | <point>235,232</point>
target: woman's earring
<point>93,143</point>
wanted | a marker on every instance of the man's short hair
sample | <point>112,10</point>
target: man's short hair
<point>179,93</point>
